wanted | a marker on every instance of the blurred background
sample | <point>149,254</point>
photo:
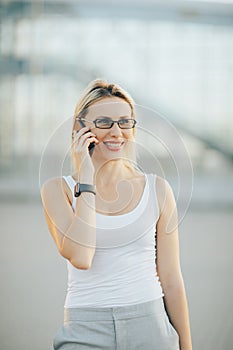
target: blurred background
<point>175,57</point>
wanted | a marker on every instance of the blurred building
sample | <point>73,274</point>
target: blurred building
<point>174,57</point>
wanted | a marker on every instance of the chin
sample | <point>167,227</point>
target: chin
<point>108,156</point>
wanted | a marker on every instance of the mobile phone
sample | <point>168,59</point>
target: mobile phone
<point>92,144</point>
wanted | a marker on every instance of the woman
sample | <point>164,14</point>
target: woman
<point>111,222</point>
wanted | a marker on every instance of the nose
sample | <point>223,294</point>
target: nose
<point>115,130</point>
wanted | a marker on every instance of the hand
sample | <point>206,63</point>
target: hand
<point>82,139</point>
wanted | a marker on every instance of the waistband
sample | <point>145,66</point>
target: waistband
<point>155,306</point>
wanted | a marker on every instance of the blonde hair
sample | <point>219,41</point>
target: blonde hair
<point>95,91</point>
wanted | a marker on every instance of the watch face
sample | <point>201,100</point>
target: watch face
<point>77,190</point>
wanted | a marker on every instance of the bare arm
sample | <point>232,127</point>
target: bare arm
<point>168,264</point>
<point>73,232</point>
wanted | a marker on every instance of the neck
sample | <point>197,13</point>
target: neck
<point>111,172</point>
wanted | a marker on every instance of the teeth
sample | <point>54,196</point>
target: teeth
<point>113,145</point>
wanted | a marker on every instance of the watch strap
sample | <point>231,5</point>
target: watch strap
<point>79,188</point>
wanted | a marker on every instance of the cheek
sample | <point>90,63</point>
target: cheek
<point>130,135</point>
<point>100,134</point>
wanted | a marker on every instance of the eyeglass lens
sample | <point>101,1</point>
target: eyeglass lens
<point>106,123</point>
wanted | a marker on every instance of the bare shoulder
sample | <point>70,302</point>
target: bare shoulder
<point>50,185</point>
<point>162,184</point>
<point>55,187</point>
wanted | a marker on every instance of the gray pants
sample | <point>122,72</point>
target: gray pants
<point>134,327</point>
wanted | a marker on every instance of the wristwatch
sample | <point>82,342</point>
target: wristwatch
<point>79,188</point>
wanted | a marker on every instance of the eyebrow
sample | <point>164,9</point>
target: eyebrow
<point>121,117</point>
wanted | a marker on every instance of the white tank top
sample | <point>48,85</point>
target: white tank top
<point>123,270</point>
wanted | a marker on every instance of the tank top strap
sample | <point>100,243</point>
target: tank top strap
<point>70,182</point>
<point>153,192</point>
<point>151,180</point>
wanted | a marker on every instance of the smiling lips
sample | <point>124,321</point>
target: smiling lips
<point>114,146</point>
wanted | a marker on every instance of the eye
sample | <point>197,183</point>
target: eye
<point>127,123</point>
<point>103,122</point>
<point>124,121</point>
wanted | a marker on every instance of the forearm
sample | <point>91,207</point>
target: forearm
<point>79,241</point>
<point>177,310</point>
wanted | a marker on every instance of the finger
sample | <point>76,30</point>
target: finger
<point>86,143</point>
<point>90,140</point>
<point>81,131</point>
<point>80,137</point>
<point>85,136</point>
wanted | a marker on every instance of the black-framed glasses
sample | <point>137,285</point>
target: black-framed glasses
<point>107,123</point>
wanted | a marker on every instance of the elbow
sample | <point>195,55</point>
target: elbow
<point>172,280</point>
<point>81,265</point>
<point>81,260</point>
<point>174,285</point>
